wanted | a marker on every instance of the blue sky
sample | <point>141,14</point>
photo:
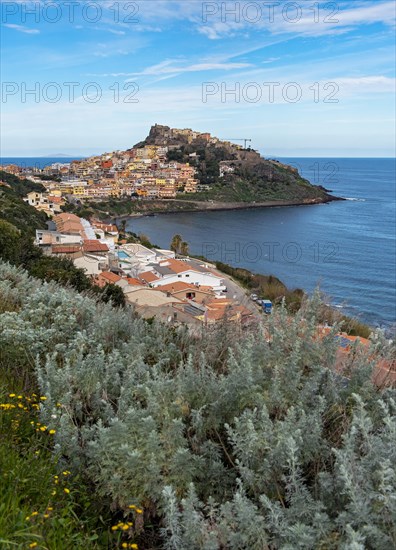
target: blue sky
<point>297,81</point>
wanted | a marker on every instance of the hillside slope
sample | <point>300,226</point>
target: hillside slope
<point>225,441</point>
<point>13,209</point>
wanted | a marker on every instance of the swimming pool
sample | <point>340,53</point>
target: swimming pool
<point>123,255</point>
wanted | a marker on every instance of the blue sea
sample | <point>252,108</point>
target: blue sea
<point>36,162</point>
<point>347,248</point>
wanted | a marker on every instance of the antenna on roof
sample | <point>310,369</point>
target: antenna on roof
<point>245,140</point>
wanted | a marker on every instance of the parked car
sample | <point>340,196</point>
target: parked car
<point>253,297</point>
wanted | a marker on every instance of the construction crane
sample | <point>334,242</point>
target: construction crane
<point>245,140</point>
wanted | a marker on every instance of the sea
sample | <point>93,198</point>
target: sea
<point>345,248</point>
<point>36,162</point>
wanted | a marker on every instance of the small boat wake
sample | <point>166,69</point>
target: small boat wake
<point>354,199</point>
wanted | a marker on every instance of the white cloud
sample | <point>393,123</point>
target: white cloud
<point>230,18</point>
<point>367,84</point>
<point>21,28</point>
<point>168,67</point>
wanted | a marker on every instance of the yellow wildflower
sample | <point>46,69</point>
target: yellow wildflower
<point>33,545</point>
<point>67,491</point>
<point>125,527</point>
<point>131,506</point>
<point>11,395</point>
<point>43,398</point>
<point>139,511</point>
<point>134,546</point>
<point>52,432</point>
<point>43,428</point>
<point>19,396</point>
<point>46,516</point>
<point>34,513</point>
<point>53,493</point>
<point>124,545</point>
<point>114,528</point>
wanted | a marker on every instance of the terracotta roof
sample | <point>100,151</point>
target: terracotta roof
<point>65,249</point>
<point>109,276</point>
<point>66,216</point>
<point>215,315</point>
<point>384,372</point>
<point>148,277</point>
<point>105,227</point>
<point>91,245</point>
<point>219,303</point>
<point>176,265</point>
<point>229,310</point>
<point>176,287</point>
<point>133,281</point>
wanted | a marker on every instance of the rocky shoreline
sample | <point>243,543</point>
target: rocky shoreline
<point>201,206</point>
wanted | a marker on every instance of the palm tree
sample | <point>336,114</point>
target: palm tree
<point>123,227</point>
<point>176,243</point>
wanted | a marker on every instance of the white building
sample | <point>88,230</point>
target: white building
<point>171,271</point>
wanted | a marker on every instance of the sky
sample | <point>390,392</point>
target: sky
<point>298,78</point>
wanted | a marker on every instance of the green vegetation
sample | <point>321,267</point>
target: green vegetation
<point>225,441</point>
<point>232,188</point>
<point>41,506</point>
<point>20,186</point>
<point>14,210</point>
<point>254,179</point>
<point>179,246</point>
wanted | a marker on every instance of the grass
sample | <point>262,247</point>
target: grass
<point>42,505</point>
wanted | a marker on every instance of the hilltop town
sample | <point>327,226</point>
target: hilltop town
<point>171,164</point>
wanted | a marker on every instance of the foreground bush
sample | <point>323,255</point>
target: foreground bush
<point>224,441</point>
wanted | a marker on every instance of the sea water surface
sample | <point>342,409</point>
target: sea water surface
<point>346,247</point>
<point>36,162</point>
